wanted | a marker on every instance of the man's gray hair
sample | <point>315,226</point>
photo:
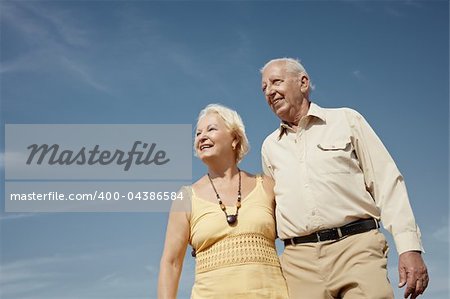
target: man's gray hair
<point>292,65</point>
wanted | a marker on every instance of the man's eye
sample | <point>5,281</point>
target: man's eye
<point>277,82</point>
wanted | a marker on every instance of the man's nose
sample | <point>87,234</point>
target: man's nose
<point>269,91</point>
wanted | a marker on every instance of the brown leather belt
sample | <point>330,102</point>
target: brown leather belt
<point>353,228</point>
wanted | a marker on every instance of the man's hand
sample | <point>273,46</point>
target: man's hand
<point>413,272</point>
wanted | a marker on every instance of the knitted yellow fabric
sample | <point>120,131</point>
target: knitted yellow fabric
<point>238,249</point>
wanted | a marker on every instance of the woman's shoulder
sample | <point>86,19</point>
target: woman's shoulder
<point>199,184</point>
<point>266,180</point>
<point>181,202</point>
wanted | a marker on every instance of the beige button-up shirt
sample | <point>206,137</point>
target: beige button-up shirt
<point>334,170</point>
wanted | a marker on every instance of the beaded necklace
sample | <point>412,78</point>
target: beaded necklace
<point>231,219</point>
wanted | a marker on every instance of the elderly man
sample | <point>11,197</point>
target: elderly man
<point>334,182</point>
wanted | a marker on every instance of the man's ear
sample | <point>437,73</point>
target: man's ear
<point>304,83</point>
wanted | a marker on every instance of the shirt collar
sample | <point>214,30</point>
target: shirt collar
<point>313,111</point>
<point>316,111</point>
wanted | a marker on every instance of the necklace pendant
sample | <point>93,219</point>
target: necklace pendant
<point>231,219</point>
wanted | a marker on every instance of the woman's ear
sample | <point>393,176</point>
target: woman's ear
<point>234,143</point>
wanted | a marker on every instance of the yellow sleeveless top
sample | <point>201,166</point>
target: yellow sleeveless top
<point>238,261</point>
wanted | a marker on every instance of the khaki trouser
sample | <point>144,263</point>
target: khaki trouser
<point>352,268</point>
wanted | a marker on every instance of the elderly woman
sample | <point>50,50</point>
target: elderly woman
<point>229,222</point>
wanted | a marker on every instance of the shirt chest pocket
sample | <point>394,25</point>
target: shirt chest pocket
<point>334,156</point>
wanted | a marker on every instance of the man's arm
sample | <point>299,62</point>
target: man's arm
<point>266,167</point>
<point>387,187</point>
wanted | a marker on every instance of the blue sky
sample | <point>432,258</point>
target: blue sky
<point>148,62</point>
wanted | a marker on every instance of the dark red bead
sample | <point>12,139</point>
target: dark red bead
<point>231,219</point>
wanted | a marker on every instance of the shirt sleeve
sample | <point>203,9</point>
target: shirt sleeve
<point>266,167</point>
<point>386,185</point>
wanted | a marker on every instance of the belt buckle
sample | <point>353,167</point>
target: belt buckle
<point>292,242</point>
<point>338,229</point>
<point>318,236</point>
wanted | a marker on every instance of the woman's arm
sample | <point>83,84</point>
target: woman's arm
<point>177,238</point>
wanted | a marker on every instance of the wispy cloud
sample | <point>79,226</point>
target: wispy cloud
<point>23,276</point>
<point>29,62</point>
<point>112,279</point>
<point>41,24</point>
<point>83,73</point>
<point>184,61</point>
<point>63,22</point>
<point>357,74</point>
<point>442,234</point>
<point>59,276</point>
<point>15,16</point>
<point>19,265</point>
<point>54,38</point>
